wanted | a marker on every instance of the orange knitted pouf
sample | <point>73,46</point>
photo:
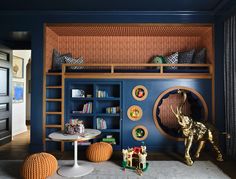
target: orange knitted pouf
<point>39,166</point>
<point>99,152</point>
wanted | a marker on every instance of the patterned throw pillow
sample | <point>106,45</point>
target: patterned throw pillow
<point>186,57</point>
<point>158,60</point>
<point>172,59</point>
<point>70,60</point>
<point>200,57</point>
<point>58,59</point>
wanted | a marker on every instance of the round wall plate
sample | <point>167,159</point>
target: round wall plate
<point>140,92</point>
<point>135,113</point>
<point>140,133</point>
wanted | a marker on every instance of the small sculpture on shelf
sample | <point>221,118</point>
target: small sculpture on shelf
<point>75,126</point>
<point>195,131</point>
<point>135,158</point>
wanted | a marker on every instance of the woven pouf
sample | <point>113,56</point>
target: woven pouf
<point>39,166</point>
<point>99,152</point>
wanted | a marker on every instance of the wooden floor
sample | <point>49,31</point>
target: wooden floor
<point>18,149</point>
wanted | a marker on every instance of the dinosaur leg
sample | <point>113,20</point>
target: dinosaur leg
<point>200,146</point>
<point>187,155</point>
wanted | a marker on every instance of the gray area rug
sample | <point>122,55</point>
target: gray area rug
<point>111,170</point>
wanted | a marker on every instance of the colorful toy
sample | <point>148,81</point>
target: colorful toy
<point>135,158</point>
<point>75,126</point>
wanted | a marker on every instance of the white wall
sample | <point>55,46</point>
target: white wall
<point>19,109</point>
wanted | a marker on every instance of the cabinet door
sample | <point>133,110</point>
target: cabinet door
<point>5,95</point>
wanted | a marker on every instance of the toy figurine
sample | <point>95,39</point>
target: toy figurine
<point>135,158</point>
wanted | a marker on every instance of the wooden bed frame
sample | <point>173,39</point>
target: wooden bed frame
<point>196,35</point>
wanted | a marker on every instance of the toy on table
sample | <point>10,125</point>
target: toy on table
<point>135,158</point>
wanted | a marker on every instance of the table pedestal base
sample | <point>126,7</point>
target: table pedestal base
<point>75,171</point>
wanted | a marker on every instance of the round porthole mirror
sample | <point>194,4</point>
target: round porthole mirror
<point>134,113</point>
<point>140,92</point>
<point>139,133</point>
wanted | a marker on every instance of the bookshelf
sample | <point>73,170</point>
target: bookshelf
<point>105,102</point>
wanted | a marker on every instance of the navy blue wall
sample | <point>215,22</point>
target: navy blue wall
<point>155,140</point>
<point>34,23</point>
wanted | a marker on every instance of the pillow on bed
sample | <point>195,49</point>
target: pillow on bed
<point>58,59</point>
<point>70,60</point>
<point>172,59</point>
<point>200,57</point>
<point>158,60</point>
<point>186,57</point>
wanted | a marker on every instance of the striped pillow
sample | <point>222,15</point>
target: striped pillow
<point>70,60</point>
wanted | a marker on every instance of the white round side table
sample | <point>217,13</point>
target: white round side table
<point>75,170</point>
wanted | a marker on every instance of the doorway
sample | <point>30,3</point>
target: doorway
<point>19,44</point>
<point>20,92</point>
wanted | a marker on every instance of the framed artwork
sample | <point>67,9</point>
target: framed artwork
<point>134,113</point>
<point>140,92</point>
<point>18,67</point>
<point>18,92</point>
<point>140,133</point>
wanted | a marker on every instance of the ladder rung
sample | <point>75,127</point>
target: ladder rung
<point>48,73</point>
<point>54,112</point>
<point>53,126</point>
<point>54,87</point>
<point>53,99</point>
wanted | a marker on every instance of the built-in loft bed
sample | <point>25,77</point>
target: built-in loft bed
<point>123,52</point>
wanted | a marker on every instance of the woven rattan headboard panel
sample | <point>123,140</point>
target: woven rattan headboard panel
<point>122,43</point>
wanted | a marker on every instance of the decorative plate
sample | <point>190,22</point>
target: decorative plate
<point>140,92</point>
<point>140,132</point>
<point>134,113</point>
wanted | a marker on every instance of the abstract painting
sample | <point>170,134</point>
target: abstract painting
<point>18,92</point>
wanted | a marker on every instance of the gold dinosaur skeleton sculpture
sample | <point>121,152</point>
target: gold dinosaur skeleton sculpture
<point>195,131</point>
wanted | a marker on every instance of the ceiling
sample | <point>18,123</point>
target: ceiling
<point>112,5</point>
<point>21,38</point>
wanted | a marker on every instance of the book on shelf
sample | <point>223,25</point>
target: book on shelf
<point>88,107</point>
<point>113,143</point>
<point>102,94</point>
<point>108,139</point>
<point>85,143</point>
<point>113,110</point>
<point>101,123</point>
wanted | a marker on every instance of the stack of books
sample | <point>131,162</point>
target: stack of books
<point>102,94</point>
<point>101,123</point>
<point>109,139</point>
